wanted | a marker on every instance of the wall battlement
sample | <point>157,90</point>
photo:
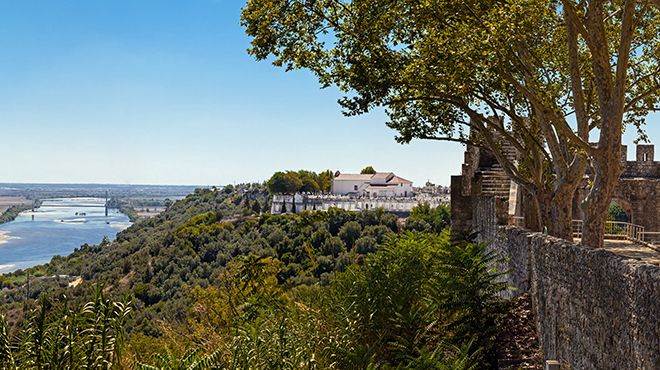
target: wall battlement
<point>644,165</point>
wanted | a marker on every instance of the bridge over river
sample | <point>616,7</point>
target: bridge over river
<point>77,203</point>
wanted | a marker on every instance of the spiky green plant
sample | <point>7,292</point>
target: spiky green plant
<point>54,336</point>
<point>192,359</point>
<point>6,356</point>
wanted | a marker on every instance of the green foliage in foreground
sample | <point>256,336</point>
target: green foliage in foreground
<point>419,302</point>
<point>161,260</point>
<point>216,286</point>
<point>54,336</point>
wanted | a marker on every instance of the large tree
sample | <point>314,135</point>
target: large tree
<point>369,170</point>
<point>284,183</point>
<point>538,75</point>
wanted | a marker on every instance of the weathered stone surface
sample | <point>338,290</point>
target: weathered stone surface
<point>594,309</point>
<point>638,189</point>
<point>461,206</point>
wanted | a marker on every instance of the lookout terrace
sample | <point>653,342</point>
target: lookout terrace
<point>483,191</point>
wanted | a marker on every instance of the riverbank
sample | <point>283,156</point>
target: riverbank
<point>4,237</point>
<point>56,228</point>
<point>130,212</point>
<point>12,212</point>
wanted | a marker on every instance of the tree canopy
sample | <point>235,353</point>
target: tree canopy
<point>369,170</point>
<point>538,75</point>
<point>302,181</point>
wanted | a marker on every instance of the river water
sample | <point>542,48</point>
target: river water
<point>56,228</point>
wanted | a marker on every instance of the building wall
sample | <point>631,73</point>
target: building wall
<point>405,190</point>
<point>312,202</point>
<point>642,197</point>
<point>594,309</point>
<point>401,190</point>
<point>637,191</point>
<point>641,169</point>
<point>461,208</point>
<point>343,187</point>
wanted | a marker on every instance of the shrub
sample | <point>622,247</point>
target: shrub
<point>365,244</point>
<point>349,233</point>
<point>332,247</point>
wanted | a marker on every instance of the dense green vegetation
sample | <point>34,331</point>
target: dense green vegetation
<point>616,213</point>
<point>425,218</point>
<point>213,284</point>
<point>157,260</point>
<point>418,302</point>
<point>302,181</point>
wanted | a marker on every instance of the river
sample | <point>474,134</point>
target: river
<point>56,228</point>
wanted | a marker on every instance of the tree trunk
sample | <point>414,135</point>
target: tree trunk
<point>545,205</point>
<point>532,212</point>
<point>556,210</point>
<point>560,223</point>
<point>607,168</point>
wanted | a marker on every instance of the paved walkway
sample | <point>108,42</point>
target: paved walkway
<point>634,250</point>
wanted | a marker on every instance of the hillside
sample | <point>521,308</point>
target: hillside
<point>159,260</point>
<point>213,281</point>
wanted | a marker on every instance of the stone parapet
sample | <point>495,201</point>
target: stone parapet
<point>637,169</point>
<point>594,309</point>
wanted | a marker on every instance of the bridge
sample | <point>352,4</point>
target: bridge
<point>74,205</point>
<point>105,204</point>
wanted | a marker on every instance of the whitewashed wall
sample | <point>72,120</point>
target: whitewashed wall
<point>311,202</point>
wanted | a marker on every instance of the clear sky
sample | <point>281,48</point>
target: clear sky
<point>163,92</point>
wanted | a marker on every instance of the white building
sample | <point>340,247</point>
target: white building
<point>380,184</point>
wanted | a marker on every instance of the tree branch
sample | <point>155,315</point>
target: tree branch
<point>576,78</point>
<point>623,56</point>
<point>640,97</point>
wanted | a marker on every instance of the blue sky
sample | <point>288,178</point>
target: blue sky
<point>163,92</point>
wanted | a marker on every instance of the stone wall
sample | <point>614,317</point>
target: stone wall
<point>594,309</point>
<point>639,197</point>
<point>641,169</point>
<point>461,207</point>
